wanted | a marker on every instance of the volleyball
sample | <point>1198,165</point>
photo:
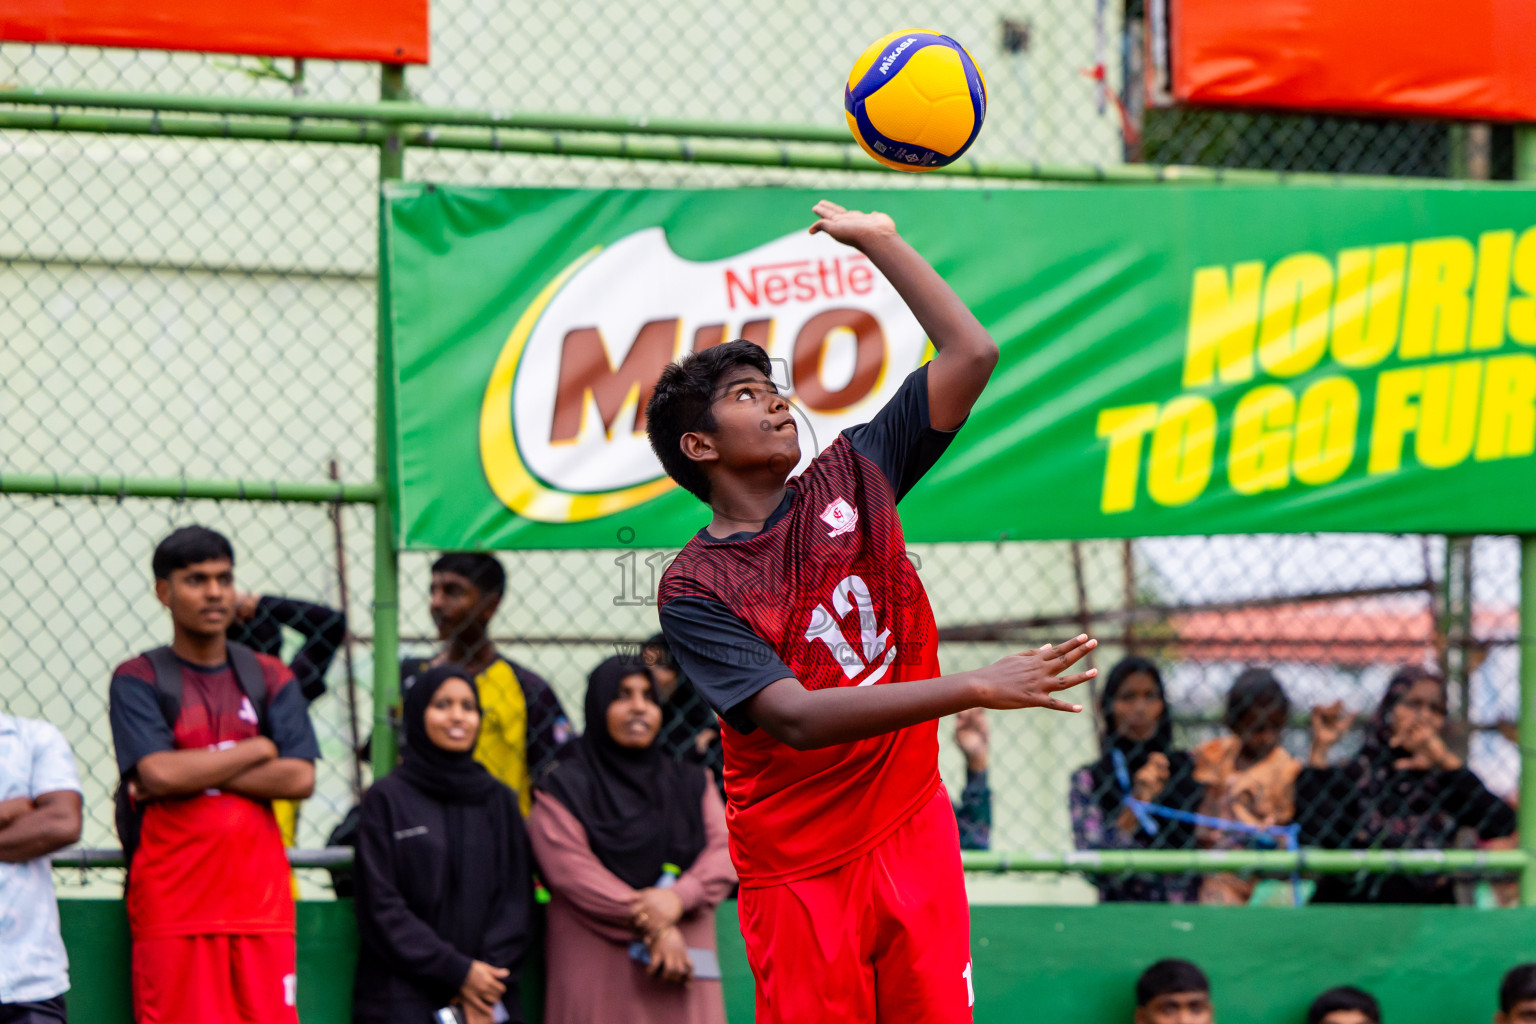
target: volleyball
<point>915,100</point>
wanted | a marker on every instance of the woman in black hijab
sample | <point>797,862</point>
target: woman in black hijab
<point>1404,790</point>
<point>1138,760</point>
<point>632,845</point>
<point>444,883</point>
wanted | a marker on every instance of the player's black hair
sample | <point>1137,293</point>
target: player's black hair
<point>1167,977</point>
<point>189,545</point>
<point>682,401</point>
<point>1345,997</point>
<point>1256,689</point>
<point>1518,986</point>
<point>481,569</point>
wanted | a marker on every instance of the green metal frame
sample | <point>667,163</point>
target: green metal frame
<point>1480,863</point>
<point>1525,170</point>
<point>180,487</point>
<point>1277,862</point>
<point>395,123</point>
<point>386,558</point>
<point>393,110</point>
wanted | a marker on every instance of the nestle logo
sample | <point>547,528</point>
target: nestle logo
<point>890,58</point>
<point>807,280</point>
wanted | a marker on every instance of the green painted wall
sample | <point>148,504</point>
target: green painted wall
<point>1065,965</point>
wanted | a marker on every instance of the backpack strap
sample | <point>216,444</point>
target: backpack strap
<point>128,816</point>
<point>252,680</point>
<point>167,682</point>
<point>242,660</point>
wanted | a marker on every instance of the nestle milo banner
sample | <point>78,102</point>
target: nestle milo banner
<point>1174,359</point>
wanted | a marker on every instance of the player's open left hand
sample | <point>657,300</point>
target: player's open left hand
<point>851,227</point>
<point>1031,679</point>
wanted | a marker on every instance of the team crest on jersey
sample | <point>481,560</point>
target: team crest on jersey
<point>248,711</point>
<point>841,516</point>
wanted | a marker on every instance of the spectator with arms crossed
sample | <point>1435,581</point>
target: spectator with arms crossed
<point>852,900</point>
<point>39,813</point>
<point>208,734</point>
<point>522,723</point>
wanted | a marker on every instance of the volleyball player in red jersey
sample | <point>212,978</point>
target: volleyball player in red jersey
<point>798,615</point>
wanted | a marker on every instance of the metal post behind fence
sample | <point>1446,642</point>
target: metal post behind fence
<point>1525,170</point>
<point>1527,727</point>
<point>344,592</point>
<point>386,582</point>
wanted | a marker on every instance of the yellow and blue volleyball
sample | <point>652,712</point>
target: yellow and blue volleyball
<point>915,100</point>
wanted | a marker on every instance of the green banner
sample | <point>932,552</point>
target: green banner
<point>1066,965</point>
<point>1175,360</point>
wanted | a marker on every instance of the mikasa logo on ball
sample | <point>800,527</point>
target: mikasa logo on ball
<point>890,58</point>
<point>562,424</point>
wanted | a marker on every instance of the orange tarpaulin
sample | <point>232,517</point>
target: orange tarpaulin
<point>1465,59</point>
<point>1362,631</point>
<point>392,31</point>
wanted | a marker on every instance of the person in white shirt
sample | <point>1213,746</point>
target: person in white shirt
<point>39,813</point>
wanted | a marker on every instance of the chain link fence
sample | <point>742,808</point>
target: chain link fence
<point>205,308</point>
<point>1065,81</point>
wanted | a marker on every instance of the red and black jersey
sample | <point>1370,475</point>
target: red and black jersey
<point>213,863</point>
<point>824,593</point>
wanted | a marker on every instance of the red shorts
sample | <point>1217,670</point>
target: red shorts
<point>884,938</point>
<point>201,979</point>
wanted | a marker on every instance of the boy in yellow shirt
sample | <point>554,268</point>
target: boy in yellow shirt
<point>521,721</point>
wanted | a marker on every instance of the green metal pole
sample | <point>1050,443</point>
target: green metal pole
<point>386,564</point>
<point>1478,863</point>
<point>1525,152</point>
<point>1525,170</point>
<point>1313,862</point>
<point>1527,726</point>
<point>392,155</point>
<point>670,149</point>
<point>186,490</point>
<point>389,111</point>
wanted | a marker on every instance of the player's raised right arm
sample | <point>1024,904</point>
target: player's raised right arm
<point>810,719</point>
<point>965,352</point>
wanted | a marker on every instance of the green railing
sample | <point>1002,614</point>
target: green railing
<point>1479,863</point>
<point>182,488</point>
<point>571,135</point>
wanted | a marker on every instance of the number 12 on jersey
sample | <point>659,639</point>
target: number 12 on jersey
<point>874,647</point>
